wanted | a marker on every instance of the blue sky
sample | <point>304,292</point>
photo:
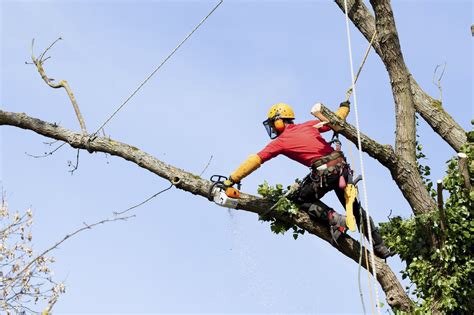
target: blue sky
<point>182,253</point>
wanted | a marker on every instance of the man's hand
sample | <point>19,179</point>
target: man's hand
<point>316,108</point>
<point>320,124</point>
<point>344,109</point>
<point>229,182</point>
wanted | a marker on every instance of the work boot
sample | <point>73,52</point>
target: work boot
<point>337,224</point>
<point>318,210</point>
<point>380,250</point>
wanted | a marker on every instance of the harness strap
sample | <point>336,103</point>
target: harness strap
<point>335,141</point>
<point>327,158</point>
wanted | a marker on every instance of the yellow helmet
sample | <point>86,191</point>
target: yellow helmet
<point>275,124</point>
<point>281,110</point>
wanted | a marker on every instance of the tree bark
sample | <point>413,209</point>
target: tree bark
<point>392,58</point>
<point>396,296</point>
<point>464,170</point>
<point>430,109</point>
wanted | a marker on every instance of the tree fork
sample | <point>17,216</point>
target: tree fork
<point>430,109</point>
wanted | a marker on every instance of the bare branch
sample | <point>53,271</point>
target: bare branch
<point>46,154</point>
<point>46,50</point>
<point>74,166</point>
<point>437,81</point>
<point>207,165</point>
<point>50,143</point>
<point>38,62</point>
<point>143,202</point>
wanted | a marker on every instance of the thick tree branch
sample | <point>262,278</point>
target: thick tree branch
<point>382,153</point>
<point>396,296</point>
<point>429,108</point>
<point>392,57</point>
<point>404,173</point>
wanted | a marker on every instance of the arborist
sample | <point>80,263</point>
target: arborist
<point>328,168</point>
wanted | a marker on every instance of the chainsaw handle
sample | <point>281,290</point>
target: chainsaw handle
<point>220,178</point>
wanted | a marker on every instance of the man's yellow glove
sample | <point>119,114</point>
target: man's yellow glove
<point>229,182</point>
<point>248,166</point>
<point>343,110</point>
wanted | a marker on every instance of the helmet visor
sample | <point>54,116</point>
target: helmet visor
<point>268,124</point>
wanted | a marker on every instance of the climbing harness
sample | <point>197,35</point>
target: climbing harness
<point>349,44</point>
<point>156,69</point>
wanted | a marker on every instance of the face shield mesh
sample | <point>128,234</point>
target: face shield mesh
<point>268,124</point>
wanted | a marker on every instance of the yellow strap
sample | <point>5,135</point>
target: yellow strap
<point>248,166</point>
<point>350,194</point>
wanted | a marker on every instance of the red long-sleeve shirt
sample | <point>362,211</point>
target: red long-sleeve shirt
<point>300,142</point>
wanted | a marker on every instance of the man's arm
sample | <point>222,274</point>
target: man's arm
<point>248,166</point>
<point>255,160</point>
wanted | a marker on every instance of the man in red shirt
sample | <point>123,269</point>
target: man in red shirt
<point>329,170</point>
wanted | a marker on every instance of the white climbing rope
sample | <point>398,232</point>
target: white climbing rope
<point>359,145</point>
<point>363,247</point>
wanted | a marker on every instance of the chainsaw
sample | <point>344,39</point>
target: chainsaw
<point>222,194</point>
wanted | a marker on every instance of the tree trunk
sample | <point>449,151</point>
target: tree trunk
<point>392,57</point>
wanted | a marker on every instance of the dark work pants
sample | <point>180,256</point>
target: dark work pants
<point>312,191</point>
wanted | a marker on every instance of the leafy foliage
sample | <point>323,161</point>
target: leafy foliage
<point>444,277</point>
<point>279,197</point>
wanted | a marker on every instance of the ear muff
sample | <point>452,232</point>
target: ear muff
<point>279,125</point>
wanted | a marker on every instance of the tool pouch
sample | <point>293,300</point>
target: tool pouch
<point>342,181</point>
